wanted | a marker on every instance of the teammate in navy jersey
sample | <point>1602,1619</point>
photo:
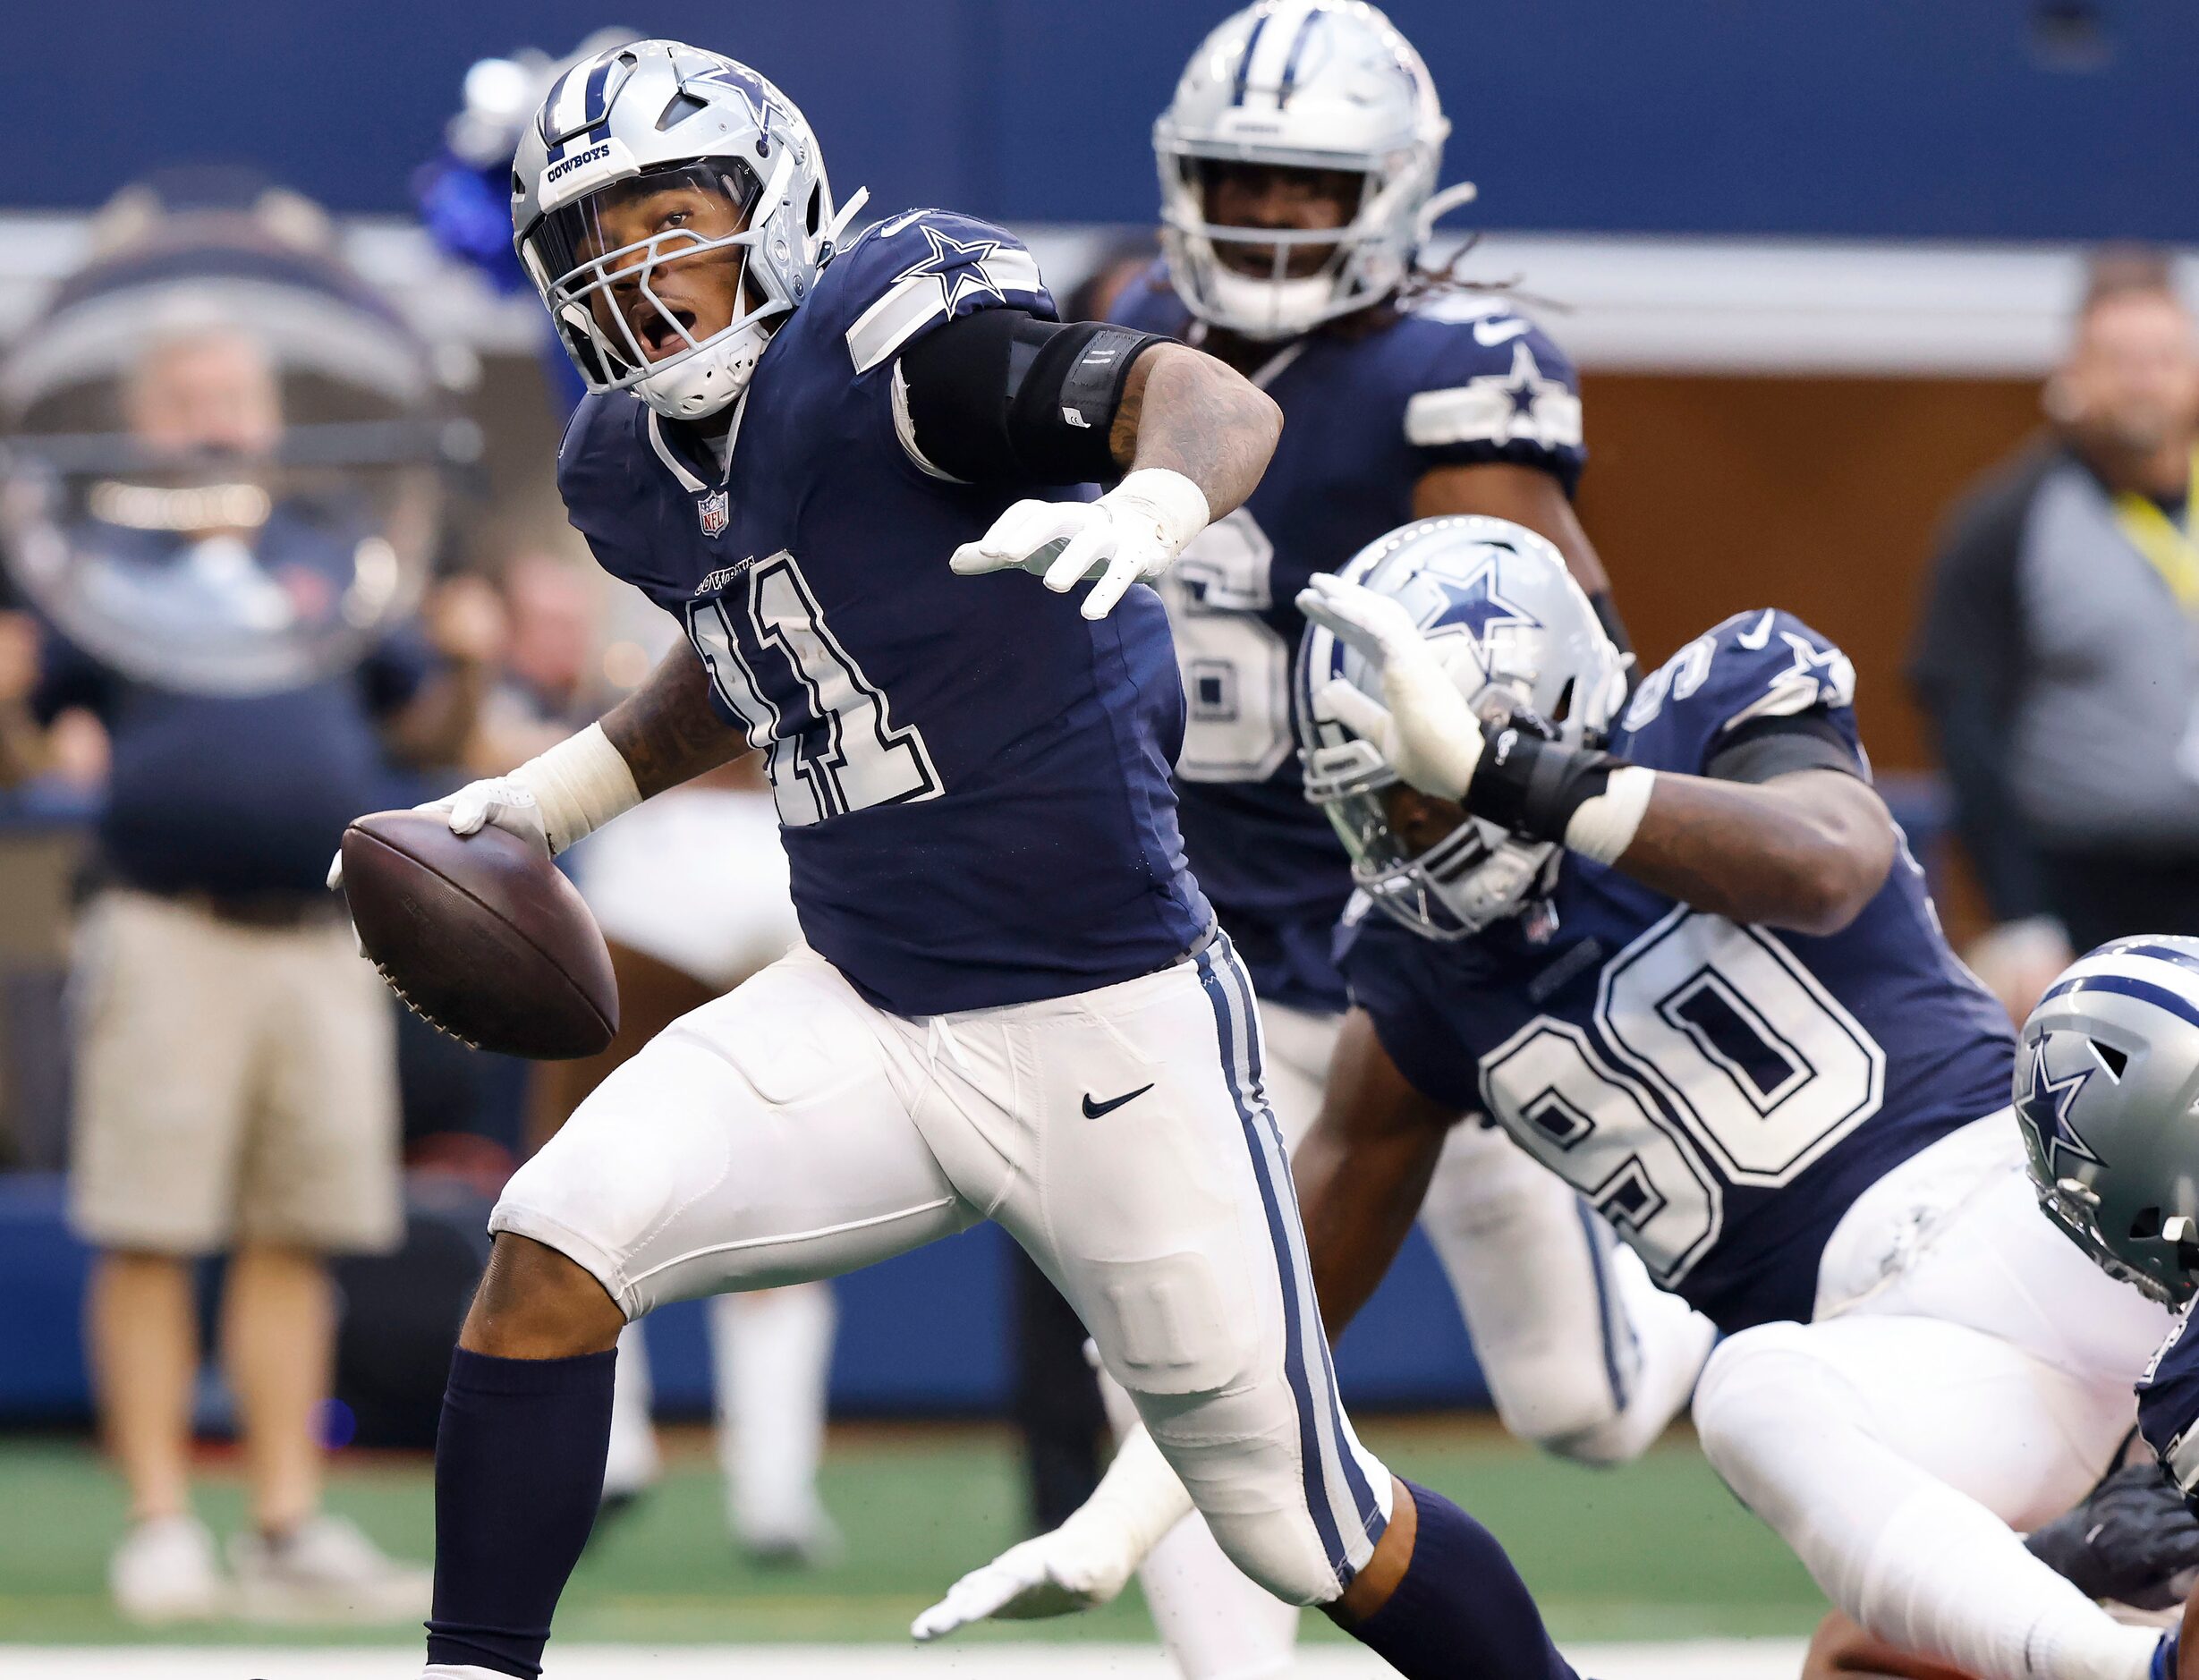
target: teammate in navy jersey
<point>1010,1003</point>
<point>1675,946</point>
<point>1298,161</point>
<point>1679,950</point>
<point>2107,1078</point>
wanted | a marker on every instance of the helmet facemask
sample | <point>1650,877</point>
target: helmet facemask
<point>603,290</point>
<point>1271,282</point>
<point>1476,875</point>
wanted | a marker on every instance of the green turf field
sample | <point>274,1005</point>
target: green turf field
<point>1655,1550</point>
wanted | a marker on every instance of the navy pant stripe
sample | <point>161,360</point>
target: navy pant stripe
<point>1363,1502</point>
<point>1294,1364</point>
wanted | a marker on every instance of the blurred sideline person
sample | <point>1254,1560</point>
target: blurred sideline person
<point>2059,653</point>
<point>1673,943</point>
<point>691,892</point>
<point>234,1087</point>
<point>1298,162</point>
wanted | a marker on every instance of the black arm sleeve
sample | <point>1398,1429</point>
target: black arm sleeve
<point>1965,667</point>
<point>1766,747</point>
<point>1002,395</point>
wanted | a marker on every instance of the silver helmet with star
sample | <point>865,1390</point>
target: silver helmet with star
<point>2107,1097</point>
<point>1522,643</point>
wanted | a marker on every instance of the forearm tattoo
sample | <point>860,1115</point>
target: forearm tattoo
<point>667,731</point>
<point>1189,412</point>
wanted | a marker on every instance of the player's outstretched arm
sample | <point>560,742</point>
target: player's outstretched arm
<point>1191,437</point>
<point>1804,851</point>
<point>1183,411</point>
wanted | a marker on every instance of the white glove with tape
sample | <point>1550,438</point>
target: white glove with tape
<point>549,801</point>
<point>1131,535</point>
<point>1084,1563</point>
<point>1426,732</point>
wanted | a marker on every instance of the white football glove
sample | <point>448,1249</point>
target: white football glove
<point>1084,1563</point>
<point>1049,1576</point>
<point>496,802</point>
<point>1426,733</point>
<point>550,802</point>
<point>1131,535</point>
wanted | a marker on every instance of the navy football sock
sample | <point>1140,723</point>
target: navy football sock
<point>1462,1612</point>
<point>518,1473</point>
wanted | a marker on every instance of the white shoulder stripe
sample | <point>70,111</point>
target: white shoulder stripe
<point>905,429</point>
<point>1486,413</point>
<point>879,331</point>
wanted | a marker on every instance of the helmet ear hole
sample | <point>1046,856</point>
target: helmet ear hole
<point>2146,1225</point>
<point>816,212</point>
<point>1564,708</point>
<point>2115,1061</point>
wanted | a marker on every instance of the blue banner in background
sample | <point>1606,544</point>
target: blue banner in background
<point>1986,119</point>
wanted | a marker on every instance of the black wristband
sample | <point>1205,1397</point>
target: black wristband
<point>1532,786</point>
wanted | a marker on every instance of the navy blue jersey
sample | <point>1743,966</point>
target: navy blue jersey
<point>973,779</point>
<point>1459,380</point>
<point>2168,1404</point>
<point>1721,1093</point>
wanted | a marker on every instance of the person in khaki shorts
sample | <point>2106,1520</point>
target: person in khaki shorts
<point>236,1060</point>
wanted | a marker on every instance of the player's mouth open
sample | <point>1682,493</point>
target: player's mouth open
<point>659,335</point>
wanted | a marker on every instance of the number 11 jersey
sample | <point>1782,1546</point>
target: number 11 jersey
<point>972,780</point>
<point>1721,1093</point>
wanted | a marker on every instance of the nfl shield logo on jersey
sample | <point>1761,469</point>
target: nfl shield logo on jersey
<point>714,509</point>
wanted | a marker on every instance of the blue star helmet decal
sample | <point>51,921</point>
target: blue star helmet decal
<point>1478,605</point>
<point>2046,1103</point>
<point>959,268</point>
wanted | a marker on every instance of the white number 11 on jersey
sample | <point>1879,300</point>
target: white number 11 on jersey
<point>827,733</point>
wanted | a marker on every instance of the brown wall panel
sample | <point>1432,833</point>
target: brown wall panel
<point>1708,495</point>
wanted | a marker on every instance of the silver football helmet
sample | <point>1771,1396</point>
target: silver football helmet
<point>1521,640</point>
<point>658,116</point>
<point>2106,1095</point>
<point>1304,84</point>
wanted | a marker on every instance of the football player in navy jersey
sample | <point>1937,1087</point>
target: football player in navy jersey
<point>2106,1083</point>
<point>1298,162</point>
<point>1675,946</point>
<point>1011,1002</point>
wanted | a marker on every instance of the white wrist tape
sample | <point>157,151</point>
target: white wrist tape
<point>580,784</point>
<point>1137,1502</point>
<point>1604,826</point>
<point>1169,499</point>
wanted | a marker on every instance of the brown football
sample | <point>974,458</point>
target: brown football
<point>480,936</point>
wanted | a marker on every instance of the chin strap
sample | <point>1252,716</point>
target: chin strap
<point>840,223</point>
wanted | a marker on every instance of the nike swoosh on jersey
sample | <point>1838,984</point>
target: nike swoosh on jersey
<point>1496,331</point>
<point>1759,636</point>
<point>1093,1110</point>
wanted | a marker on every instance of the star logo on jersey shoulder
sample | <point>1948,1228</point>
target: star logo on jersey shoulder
<point>2046,1103</point>
<point>959,268</point>
<point>1524,403</point>
<point>1479,606</point>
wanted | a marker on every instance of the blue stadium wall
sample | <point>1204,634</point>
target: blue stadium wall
<point>1988,119</point>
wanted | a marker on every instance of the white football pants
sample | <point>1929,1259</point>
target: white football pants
<point>1967,1374</point>
<point>1583,1354</point>
<point>790,1130</point>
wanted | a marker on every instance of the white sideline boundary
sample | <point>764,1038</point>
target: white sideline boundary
<point>1680,1659</point>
